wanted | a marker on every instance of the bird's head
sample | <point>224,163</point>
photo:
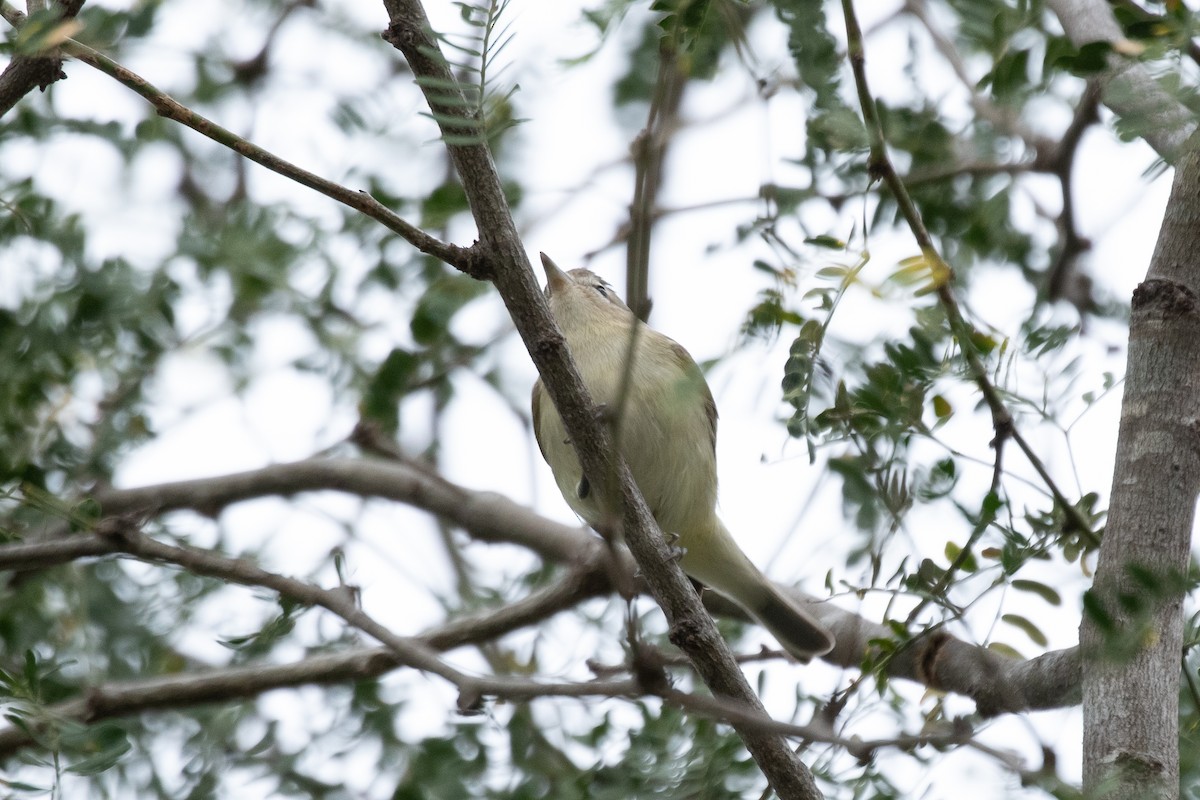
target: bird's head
<point>581,295</point>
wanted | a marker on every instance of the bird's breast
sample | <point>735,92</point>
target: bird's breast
<point>663,429</point>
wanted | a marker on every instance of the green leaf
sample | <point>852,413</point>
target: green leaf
<point>813,48</point>
<point>1010,76</point>
<point>44,30</point>
<point>444,298</point>
<point>1090,59</point>
<point>1005,650</point>
<point>31,673</point>
<point>835,271</point>
<point>1031,630</point>
<point>18,786</point>
<point>443,203</point>
<point>112,744</point>
<point>941,407</point>
<point>381,398</point>
<point>840,130</point>
<point>1047,593</point>
<point>952,551</point>
<point>940,481</point>
<point>829,242</point>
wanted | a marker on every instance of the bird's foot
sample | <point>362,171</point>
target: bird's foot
<point>605,414</point>
<point>672,541</point>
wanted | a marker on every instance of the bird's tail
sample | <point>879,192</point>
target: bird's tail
<point>714,559</point>
<point>800,633</point>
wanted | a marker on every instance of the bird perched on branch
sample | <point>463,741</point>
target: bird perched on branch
<point>665,424</point>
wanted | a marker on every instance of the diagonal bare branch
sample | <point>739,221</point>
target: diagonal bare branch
<point>166,106</point>
<point>410,31</point>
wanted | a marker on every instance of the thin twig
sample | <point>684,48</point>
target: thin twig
<point>341,601</point>
<point>936,660</point>
<point>880,167</point>
<point>462,258</point>
<point>649,152</point>
<point>409,651</point>
<point>1003,119</point>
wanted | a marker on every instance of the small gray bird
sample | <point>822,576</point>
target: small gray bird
<point>668,437</point>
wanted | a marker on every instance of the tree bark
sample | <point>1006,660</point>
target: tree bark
<point>24,74</point>
<point>1132,630</point>
<point>501,258</point>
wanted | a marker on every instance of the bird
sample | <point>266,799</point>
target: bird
<point>667,433</point>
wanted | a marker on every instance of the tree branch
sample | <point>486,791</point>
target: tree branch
<point>487,516</point>
<point>1062,277</point>
<point>1132,629</point>
<point>231,684</point>
<point>240,683</point>
<point>165,106</point>
<point>342,601</point>
<point>649,152</point>
<point>881,167</point>
<point>1128,88</point>
<point>42,555</point>
<point>691,627</point>
<point>25,72</point>
<point>998,684</point>
<point>213,686</point>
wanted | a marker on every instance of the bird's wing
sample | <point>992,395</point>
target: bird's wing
<point>694,373</point>
<point>539,392</point>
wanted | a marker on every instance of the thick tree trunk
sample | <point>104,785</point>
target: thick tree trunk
<point>1132,629</point>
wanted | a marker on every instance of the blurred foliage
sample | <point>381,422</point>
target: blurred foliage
<point>669,754</point>
<point>475,90</point>
<point>196,274</point>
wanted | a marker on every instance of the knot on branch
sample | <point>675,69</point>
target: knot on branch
<point>117,529</point>
<point>1168,298</point>
<point>412,39</point>
<point>547,343</point>
<point>877,168</point>
<point>45,71</point>
<point>930,651</point>
<point>470,701</point>
<point>1002,425</point>
<point>649,669</point>
<point>23,74</point>
<point>1144,766</point>
<point>94,705</point>
<point>474,261</point>
<point>395,35</point>
<point>685,634</point>
<point>368,435</point>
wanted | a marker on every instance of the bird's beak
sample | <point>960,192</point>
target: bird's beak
<point>556,279</point>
